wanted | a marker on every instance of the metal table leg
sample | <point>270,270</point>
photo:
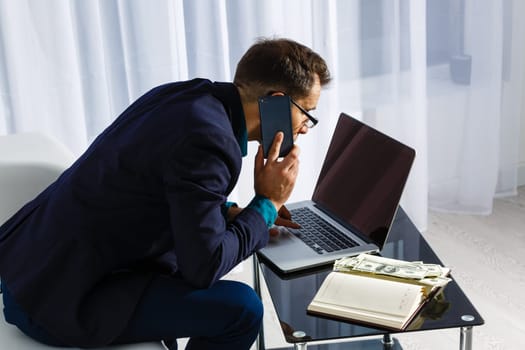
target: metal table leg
<point>257,288</point>
<point>299,346</point>
<point>387,341</point>
<point>299,335</point>
<point>465,338</point>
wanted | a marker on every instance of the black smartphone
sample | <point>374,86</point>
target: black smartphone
<point>276,115</point>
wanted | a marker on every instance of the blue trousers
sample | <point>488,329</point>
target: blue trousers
<point>227,315</point>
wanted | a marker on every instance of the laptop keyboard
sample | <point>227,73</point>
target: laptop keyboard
<point>319,234</point>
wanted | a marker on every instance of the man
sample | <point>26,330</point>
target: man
<point>129,244</point>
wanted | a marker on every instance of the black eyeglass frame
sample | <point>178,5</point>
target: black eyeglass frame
<point>312,119</point>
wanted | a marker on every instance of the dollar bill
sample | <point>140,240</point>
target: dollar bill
<point>433,270</point>
<point>411,271</point>
<point>346,263</point>
<point>435,281</point>
<point>416,270</point>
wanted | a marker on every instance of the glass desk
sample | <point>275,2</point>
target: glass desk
<point>292,293</point>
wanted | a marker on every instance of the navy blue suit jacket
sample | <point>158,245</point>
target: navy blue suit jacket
<point>145,197</point>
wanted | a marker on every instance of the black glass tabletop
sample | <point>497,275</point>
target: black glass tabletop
<point>292,293</point>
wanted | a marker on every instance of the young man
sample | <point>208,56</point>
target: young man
<point>129,244</point>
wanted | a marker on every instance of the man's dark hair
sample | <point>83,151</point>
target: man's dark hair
<point>283,65</point>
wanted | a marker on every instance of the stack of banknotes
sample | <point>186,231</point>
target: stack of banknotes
<point>417,271</point>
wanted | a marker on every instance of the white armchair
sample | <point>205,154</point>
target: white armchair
<point>28,164</point>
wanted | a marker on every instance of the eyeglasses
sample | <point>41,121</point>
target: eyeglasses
<point>312,121</point>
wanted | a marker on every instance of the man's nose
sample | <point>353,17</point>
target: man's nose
<point>302,130</point>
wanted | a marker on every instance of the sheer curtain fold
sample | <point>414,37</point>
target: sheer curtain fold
<point>474,116</point>
<point>444,76</point>
<point>32,60</point>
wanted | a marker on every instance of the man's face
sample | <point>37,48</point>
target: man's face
<point>308,103</point>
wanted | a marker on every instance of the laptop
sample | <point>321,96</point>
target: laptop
<point>354,202</point>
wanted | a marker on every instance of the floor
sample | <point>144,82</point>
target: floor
<point>486,254</point>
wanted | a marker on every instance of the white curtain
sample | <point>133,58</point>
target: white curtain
<point>443,76</point>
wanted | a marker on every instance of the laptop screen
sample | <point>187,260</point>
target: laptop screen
<point>362,178</point>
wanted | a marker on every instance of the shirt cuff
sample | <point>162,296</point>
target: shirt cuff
<point>226,206</point>
<point>265,207</point>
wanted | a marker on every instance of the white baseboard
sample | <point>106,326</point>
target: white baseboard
<point>521,174</point>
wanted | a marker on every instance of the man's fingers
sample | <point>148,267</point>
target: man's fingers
<point>259,160</point>
<point>286,223</point>
<point>273,232</point>
<point>285,213</point>
<point>292,159</point>
<point>275,178</point>
<point>275,149</point>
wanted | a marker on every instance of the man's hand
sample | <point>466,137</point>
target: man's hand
<point>284,218</point>
<point>275,179</point>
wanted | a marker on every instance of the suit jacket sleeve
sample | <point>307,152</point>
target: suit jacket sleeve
<point>200,175</point>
